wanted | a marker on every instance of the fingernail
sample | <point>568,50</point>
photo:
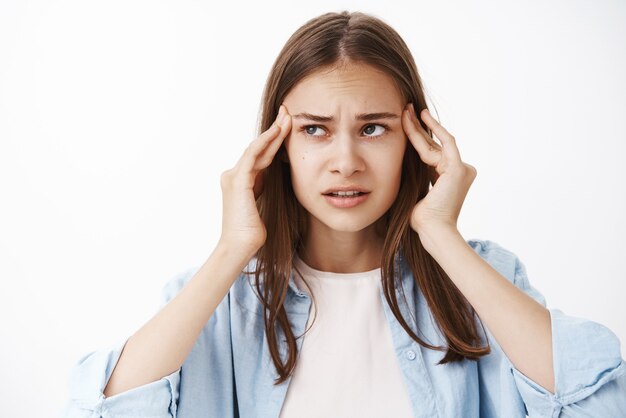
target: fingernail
<point>412,109</point>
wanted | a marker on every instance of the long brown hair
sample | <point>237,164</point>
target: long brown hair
<point>330,41</point>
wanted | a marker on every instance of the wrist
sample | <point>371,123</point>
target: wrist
<point>433,235</point>
<point>234,250</point>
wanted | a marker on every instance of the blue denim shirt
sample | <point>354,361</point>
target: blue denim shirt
<point>229,372</point>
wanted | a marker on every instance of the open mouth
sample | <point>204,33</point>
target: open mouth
<point>345,196</point>
<point>346,201</point>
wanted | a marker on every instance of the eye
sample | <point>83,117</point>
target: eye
<point>382,126</point>
<point>311,128</point>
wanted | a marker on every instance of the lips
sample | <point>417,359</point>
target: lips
<point>360,193</point>
<point>330,193</point>
<point>346,202</point>
<point>348,188</point>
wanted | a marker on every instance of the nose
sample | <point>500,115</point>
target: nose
<point>346,156</point>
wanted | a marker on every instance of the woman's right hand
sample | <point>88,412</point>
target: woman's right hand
<point>242,227</point>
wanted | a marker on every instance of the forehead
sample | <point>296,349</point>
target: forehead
<point>357,85</point>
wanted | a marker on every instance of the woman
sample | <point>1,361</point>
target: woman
<point>335,254</point>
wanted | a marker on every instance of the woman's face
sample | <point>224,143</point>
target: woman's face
<point>349,148</point>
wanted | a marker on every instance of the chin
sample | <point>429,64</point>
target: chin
<point>347,222</point>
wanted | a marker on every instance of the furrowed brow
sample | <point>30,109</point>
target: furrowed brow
<point>361,116</point>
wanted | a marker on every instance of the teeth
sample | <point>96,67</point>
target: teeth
<point>351,193</point>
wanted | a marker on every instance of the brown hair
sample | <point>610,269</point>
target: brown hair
<point>333,40</point>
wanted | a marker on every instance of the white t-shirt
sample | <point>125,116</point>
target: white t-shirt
<point>347,366</point>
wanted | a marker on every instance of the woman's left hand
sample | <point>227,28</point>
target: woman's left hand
<point>451,178</point>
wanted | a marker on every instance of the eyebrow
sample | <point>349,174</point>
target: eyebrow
<point>359,116</point>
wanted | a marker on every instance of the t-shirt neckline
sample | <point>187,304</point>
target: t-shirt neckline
<point>307,270</point>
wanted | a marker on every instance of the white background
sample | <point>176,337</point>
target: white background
<point>117,119</point>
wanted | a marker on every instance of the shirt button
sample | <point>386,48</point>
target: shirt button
<point>410,355</point>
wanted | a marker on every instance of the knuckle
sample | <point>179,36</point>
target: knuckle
<point>226,176</point>
<point>471,169</point>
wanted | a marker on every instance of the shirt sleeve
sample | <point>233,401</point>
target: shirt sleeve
<point>590,375</point>
<point>89,377</point>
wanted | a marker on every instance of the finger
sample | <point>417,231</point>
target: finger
<point>266,137</point>
<point>265,158</point>
<point>256,147</point>
<point>431,141</point>
<point>434,144</point>
<point>447,140</point>
<point>419,126</point>
<point>427,152</point>
<point>250,154</point>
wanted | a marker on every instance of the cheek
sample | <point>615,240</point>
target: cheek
<point>304,184</point>
<point>396,157</point>
<point>299,153</point>
<point>303,169</point>
<point>293,149</point>
<point>390,154</point>
<point>295,157</point>
<point>305,175</point>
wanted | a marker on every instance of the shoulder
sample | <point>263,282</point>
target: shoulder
<point>508,264</point>
<point>488,247</point>
<point>177,282</point>
<point>502,259</point>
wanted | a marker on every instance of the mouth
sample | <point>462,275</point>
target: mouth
<point>346,201</point>
<point>345,195</point>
